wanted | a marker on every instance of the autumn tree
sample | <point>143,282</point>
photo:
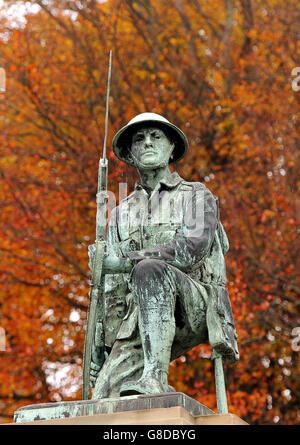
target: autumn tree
<point>222,72</point>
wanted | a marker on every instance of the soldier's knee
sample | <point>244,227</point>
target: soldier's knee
<point>147,269</point>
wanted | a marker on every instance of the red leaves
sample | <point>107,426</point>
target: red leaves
<point>242,128</point>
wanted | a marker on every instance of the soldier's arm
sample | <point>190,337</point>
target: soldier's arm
<point>191,245</point>
<point>113,263</point>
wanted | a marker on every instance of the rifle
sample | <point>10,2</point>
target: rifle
<point>95,330</point>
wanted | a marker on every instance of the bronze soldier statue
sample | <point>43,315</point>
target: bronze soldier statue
<point>164,268</point>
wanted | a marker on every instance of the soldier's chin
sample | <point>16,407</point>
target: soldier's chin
<point>151,164</point>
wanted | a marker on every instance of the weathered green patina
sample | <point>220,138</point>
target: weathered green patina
<point>55,410</point>
<point>164,269</point>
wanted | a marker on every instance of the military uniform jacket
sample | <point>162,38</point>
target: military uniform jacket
<point>177,222</point>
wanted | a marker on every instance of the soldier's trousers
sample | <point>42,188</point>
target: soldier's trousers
<point>155,284</point>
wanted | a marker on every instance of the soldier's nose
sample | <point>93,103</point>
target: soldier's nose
<point>148,141</point>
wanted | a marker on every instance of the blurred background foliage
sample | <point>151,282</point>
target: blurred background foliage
<point>222,72</point>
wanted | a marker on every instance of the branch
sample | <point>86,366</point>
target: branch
<point>248,24</point>
<point>226,58</point>
<point>207,19</point>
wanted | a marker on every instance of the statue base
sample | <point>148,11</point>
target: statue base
<point>158,409</point>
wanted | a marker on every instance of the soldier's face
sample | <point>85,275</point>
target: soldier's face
<point>151,147</point>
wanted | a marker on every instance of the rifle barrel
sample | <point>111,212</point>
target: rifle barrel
<point>107,104</point>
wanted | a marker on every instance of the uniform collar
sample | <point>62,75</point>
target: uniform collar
<point>171,181</point>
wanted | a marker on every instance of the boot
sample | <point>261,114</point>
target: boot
<point>145,385</point>
<point>157,330</point>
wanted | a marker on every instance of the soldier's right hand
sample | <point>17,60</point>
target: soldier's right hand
<point>99,355</point>
<point>94,372</point>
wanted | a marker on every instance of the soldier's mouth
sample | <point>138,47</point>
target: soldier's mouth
<point>149,152</point>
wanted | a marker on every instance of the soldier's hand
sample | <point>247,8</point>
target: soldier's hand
<point>114,264</point>
<point>94,372</point>
<point>111,263</point>
<point>99,355</point>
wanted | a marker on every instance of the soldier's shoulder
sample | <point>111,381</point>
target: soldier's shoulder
<point>189,185</point>
<point>195,185</point>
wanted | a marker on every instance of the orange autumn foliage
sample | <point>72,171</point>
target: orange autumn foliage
<point>219,70</point>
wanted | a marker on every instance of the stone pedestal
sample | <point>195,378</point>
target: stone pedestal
<point>159,409</point>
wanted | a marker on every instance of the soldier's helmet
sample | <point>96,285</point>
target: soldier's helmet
<point>123,138</point>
